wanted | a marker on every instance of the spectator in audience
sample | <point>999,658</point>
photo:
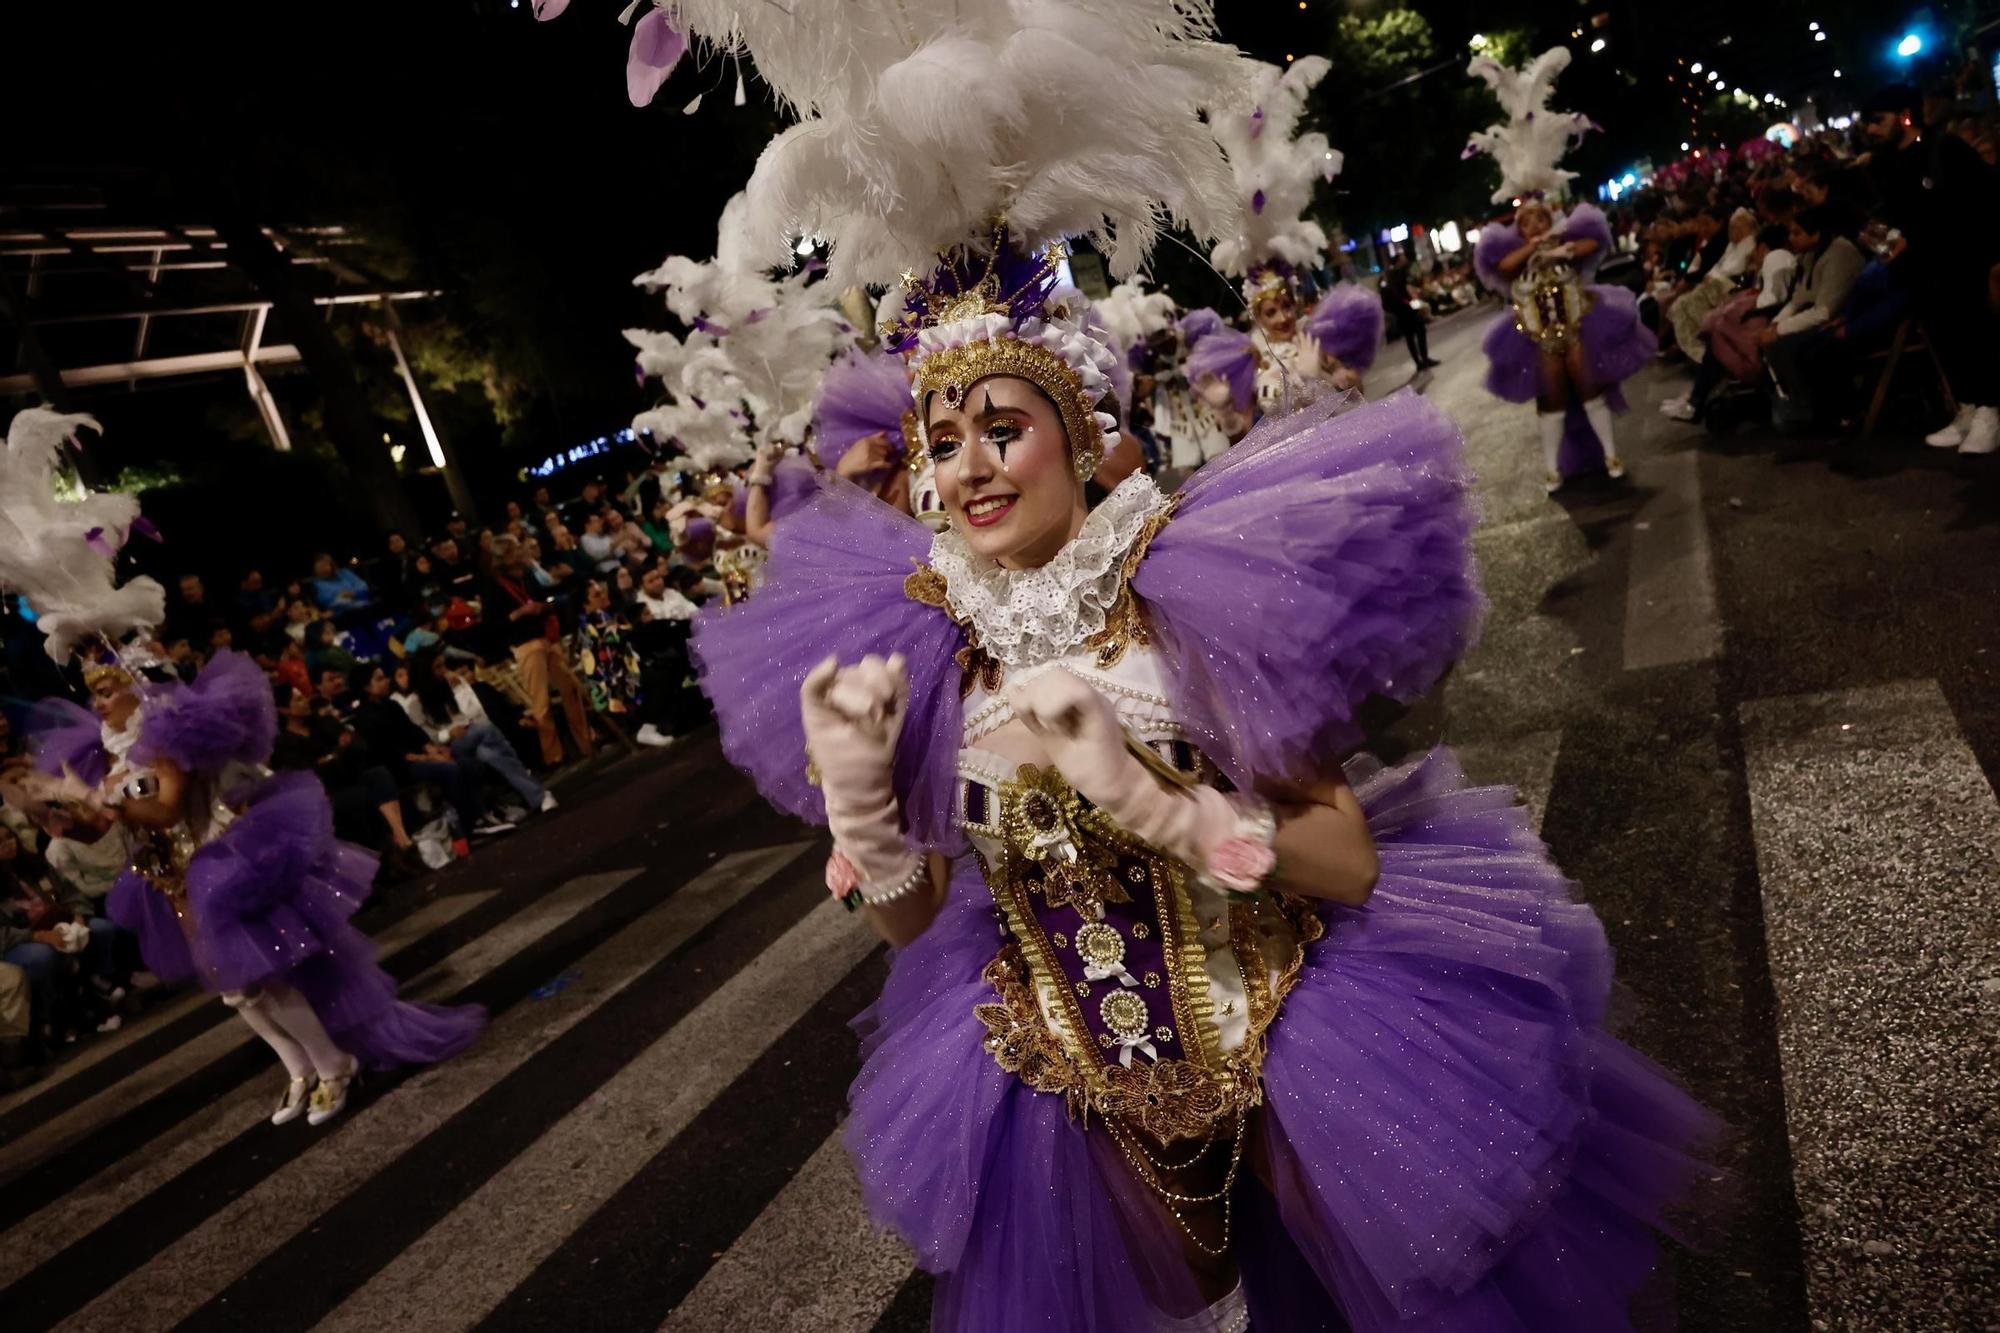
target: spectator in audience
<point>190,615</point>
<point>367,809</point>
<point>1946,202</point>
<point>324,652</point>
<point>333,691</point>
<point>528,625</point>
<point>68,955</point>
<point>1828,263</point>
<point>597,544</point>
<point>459,713</point>
<point>1734,349</point>
<point>606,662</point>
<point>407,751</point>
<point>260,613</point>
<point>396,573</point>
<point>453,574</point>
<point>1717,285</point>
<point>662,602</point>
<point>339,591</point>
<point>86,850</point>
<point>1405,320</point>
<point>19,1065</point>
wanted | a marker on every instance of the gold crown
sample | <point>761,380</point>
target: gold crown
<point>952,372</point>
<point>98,672</point>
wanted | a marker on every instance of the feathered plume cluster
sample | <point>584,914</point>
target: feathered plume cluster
<point>1131,314</point>
<point>57,553</point>
<point>1534,137</point>
<point>745,372</point>
<point>1275,168</point>
<point>921,121</point>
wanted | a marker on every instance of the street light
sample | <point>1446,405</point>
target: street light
<point>1910,45</point>
<point>1684,145</point>
<point>1812,27</point>
<point>1819,36</point>
<point>1597,45</point>
<point>1695,68</point>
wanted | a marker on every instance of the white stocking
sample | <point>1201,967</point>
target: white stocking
<point>1599,413</point>
<point>292,1010</point>
<point>1551,424</point>
<point>256,1011</point>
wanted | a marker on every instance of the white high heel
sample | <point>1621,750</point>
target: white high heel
<point>330,1097</point>
<point>293,1102</point>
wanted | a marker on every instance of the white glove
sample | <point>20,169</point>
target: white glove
<point>1227,840</point>
<point>853,717</point>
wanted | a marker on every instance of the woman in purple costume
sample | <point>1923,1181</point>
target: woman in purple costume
<point>237,881</point>
<point>1218,1021</point>
<point>1564,342</point>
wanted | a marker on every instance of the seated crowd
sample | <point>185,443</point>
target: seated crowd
<point>419,684</point>
<point>1783,281</point>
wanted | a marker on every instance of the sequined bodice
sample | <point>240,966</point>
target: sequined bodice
<point>1121,968</point>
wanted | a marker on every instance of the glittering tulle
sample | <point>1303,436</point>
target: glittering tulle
<point>834,587</point>
<point>227,716</point>
<point>1347,324</point>
<point>1452,1142</point>
<point>269,899</point>
<point>66,737</point>
<point>860,394</point>
<point>1324,559</point>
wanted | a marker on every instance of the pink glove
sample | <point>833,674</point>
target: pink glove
<point>853,716</point>
<point>1227,840</point>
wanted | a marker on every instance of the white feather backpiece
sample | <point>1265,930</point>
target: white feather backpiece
<point>58,553</point>
<point>1534,137</point>
<point>1131,314</point>
<point>1275,168</point>
<point>746,372</point>
<point>921,121</point>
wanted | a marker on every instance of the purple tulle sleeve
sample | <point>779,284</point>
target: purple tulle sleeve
<point>1198,324</point>
<point>1324,559</point>
<point>1496,241</point>
<point>1347,325</point>
<point>834,588</point>
<point>860,394</point>
<point>227,716</point>
<point>794,482</point>
<point>1586,222</point>
<point>66,738</point>
<point>1229,356</point>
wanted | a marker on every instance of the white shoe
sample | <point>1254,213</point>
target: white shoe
<point>548,801</point>
<point>293,1102</point>
<point>653,736</point>
<point>330,1097</point>
<point>1983,435</point>
<point>1614,467</point>
<point>1952,433</point>
<point>1551,482</point>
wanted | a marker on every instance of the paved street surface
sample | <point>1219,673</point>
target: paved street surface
<point>1752,694</point>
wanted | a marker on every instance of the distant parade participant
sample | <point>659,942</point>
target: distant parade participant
<point>1563,342</point>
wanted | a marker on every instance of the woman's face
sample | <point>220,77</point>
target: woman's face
<point>623,578</point>
<point>1276,315</point>
<point>1533,221</point>
<point>113,700</point>
<point>299,705</point>
<point>402,679</point>
<point>1004,471</point>
<point>595,597</point>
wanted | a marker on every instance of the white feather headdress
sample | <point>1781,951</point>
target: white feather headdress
<point>1274,167</point>
<point>1534,137</point>
<point>1131,314</point>
<point>59,553</point>
<point>746,372</point>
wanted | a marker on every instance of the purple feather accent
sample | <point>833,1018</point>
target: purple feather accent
<point>1257,202</point>
<point>1024,281</point>
<point>756,315</point>
<point>703,324</point>
<point>227,716</point>
<point>1230,356</point>
<point>657,46</point>
<point>1198,324</point>
<point>834,587</point>
<point>66,737</point>
<point>145,528</point>
<point>1257,122</point>
<point>859,395</point>
<point>1347,324</point>
<point>1529,116</point>
<point>1357,521</point>
<point>95,539</point>
<point>639,374</point>
<point>1470,151</point>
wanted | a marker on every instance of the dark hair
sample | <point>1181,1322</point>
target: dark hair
<point>1773,237</point>
<point>435,695</point>
<point>1779,201</point>
<point>359,675</point>
<point>1895,97</point>
<point>282,692</point>
<point>1827,221</point>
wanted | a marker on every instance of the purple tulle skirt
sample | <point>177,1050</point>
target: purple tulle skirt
<point>1450,1141</point>
<point>270,900</point>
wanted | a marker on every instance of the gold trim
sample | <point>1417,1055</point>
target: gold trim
<point>955,370</point>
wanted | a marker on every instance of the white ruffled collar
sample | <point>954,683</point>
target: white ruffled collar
<point>1025,617</point>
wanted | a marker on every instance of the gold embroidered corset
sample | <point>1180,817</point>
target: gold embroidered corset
<point>1126,984</point>
<point>1550,302</point>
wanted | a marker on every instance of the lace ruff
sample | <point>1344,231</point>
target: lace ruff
<point>1025,617</point>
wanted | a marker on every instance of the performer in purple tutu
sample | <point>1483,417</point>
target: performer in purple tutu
<point>237,881</point>
<point>1563,342</point>
<point>1196,1018</point>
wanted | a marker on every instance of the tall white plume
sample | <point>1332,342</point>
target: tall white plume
<point>1534,137</point>
<point>920,121</point>
<point>59,553</point>
<point>1274,168</point>
<point>1131,314</point>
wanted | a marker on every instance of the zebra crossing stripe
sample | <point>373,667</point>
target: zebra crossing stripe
<point>601,1144</point>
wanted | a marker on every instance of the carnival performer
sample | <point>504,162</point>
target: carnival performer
<point>1212,1030</point>
<point>237,881</point>
<point>1300,348</point>
<point>1564,342</point>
